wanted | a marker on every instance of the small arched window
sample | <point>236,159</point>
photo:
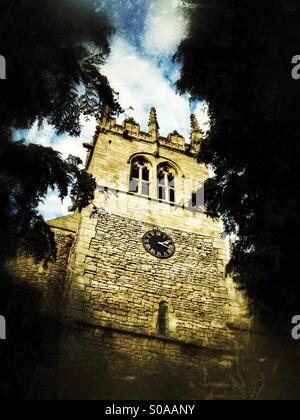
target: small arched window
<point>163,319</point>
<point>2,67</point>
<point>166,183</point>
<point>140,177</point>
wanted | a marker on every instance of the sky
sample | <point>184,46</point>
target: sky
<point>141,70</point>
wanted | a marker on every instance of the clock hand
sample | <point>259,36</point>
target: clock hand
<point>166,241</point>
<point>163,244</point>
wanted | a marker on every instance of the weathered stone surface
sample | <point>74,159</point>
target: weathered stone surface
<point>66,223</point>
<point>125,284</point>
<point>47,284</point>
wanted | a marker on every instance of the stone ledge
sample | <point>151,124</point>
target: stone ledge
<point>82,324</point>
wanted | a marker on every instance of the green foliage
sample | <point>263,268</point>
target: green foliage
<point>27,173</point>
<point>54,50</point>
<point>237,57</point>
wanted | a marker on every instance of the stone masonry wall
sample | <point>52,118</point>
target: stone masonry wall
<point>98,363</point>
<point>45,286</point>
<point>125,366</point>
<point>119,285</point>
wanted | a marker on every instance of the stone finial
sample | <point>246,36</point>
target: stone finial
<point>196,134</point>
<point>153,124</point>
<point>194,123</point>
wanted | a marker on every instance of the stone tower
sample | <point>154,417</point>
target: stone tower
<point>146,259</point>
<point>137,304</point>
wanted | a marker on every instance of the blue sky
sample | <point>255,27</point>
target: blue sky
<point>140,68</point>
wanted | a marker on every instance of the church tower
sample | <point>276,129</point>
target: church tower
<point>136,305</point>
<point>146,258</point>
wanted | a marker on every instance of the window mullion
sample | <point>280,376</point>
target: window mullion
<point>141,180</point>
<point>167,187</point>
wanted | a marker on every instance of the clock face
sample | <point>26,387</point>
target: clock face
<point>159,244</point>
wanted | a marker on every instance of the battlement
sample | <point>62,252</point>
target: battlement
<point>131,130</point>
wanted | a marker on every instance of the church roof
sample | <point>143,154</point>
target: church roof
<point>68,223</point>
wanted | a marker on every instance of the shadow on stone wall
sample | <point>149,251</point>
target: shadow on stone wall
<point>46,358</point>
<point>32,339</point>
<point>102,364</point>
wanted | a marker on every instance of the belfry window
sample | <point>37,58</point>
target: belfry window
<point>140,177</point>
<point>166,183</point>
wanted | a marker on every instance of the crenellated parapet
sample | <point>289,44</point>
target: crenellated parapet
<point>131,130</point>
<point>175,141</point>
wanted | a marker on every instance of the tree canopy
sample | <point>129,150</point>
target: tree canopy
<point>238,57</point>
<point>54,50</point>
<point>27,173</point>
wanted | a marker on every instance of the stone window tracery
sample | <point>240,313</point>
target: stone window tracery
<point>166,183</point>
<point>140,177</point>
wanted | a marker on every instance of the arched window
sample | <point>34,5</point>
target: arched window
<point>2,67</point>
<point>166,183</point>
<point>140,177</point>
<point>163,319</point>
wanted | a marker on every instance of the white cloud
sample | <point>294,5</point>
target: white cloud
<point>142,85</point>
<point>53,207</point>
<point>165,27</point>
<point>64,144</point>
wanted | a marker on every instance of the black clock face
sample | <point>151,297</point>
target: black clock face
<point>159,244</point>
